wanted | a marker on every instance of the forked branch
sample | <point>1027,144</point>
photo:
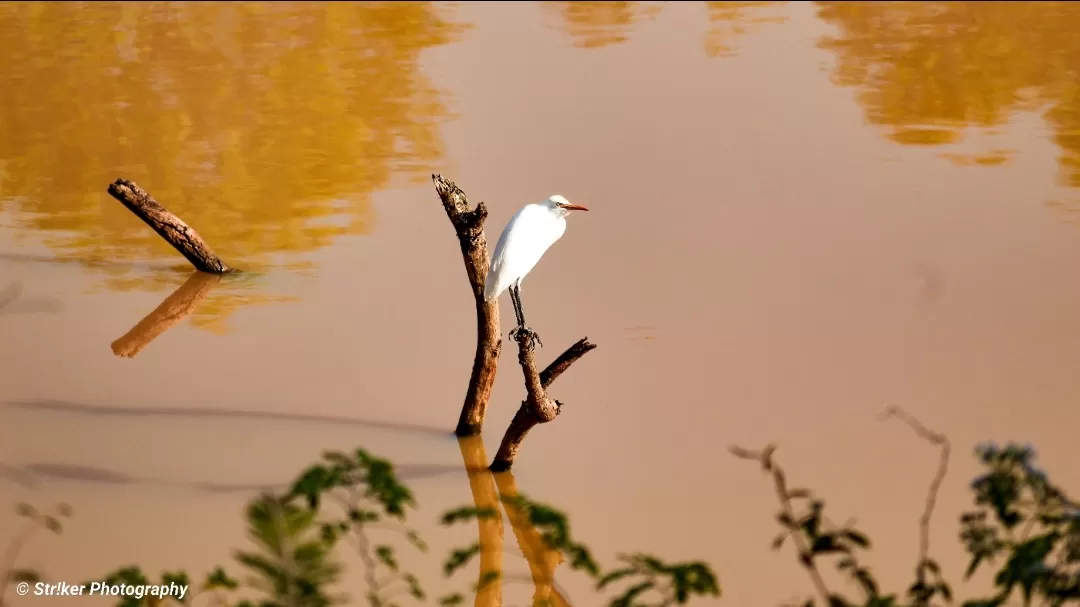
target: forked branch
<point>806,556</point>
<point>810,540</point>
<point>468,224</point>
<point>538,407</point>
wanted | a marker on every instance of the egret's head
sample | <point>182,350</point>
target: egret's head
<point>564,205</point>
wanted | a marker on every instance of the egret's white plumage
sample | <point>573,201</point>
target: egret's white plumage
<point>527,236</point>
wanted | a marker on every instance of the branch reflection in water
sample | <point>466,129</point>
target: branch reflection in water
<point>489,490</point>
<point>172,310</point>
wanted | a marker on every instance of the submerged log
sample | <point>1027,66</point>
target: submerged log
<point>180,235</point>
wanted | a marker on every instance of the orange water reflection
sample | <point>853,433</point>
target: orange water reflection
<point>268,127</point>
<point>760,265</point>
<point>928,70</point>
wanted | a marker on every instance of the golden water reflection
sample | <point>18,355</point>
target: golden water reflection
<point>730,19</point>
<point>601,24</point>
<point>928,70</point>
<point>496,491</point>
<point>266,126</point>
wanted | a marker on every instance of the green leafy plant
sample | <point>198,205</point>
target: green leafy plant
<point>645,575</point>
<point>1021,520</point>
<point>347,498</point>
<point>1026,523</point>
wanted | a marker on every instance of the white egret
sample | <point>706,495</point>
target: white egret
<point>527,236</point>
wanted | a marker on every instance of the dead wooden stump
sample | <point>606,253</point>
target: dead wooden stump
<point>172,310</point>
<point>180,235</point>
<point>469,225</point>
<point>538,408</point>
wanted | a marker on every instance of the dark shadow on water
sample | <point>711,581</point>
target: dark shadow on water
<point>11,304</point>
<point>32,475</point>
<point>100,263</point>
<point>56,406</point>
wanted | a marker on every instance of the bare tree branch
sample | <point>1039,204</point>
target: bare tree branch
<point>942,442</point>
<point>806,557</point>
<point>538,408</point>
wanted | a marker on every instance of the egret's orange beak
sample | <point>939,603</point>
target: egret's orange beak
<point>575,207</point>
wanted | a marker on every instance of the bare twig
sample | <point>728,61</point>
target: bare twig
<point>363,547</point>
<point>538,408</point>
<point>580,348</point>
<point>942,442</point>
<point>172,310</point>
<point>10,556</point>
<point>490,530</point>
<point>180,235</point>
<point>469,225</point>
<point>806,557</point>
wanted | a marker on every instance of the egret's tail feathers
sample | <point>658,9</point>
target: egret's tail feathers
<point>491,290</point>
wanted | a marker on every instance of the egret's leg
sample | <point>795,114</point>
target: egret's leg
<point>515,297</point>
<point>519,315</point>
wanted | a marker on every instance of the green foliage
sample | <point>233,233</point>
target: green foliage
<point>1022,524</point>
<point>554,529</point>
<point>293,564</point>
<point>295,536</point>
<point>674,584</point>
<point>1021,521</point>
<point>683,580</point>
<point>1028,524</point>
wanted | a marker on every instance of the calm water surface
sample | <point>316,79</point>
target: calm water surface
<point>801,213</point>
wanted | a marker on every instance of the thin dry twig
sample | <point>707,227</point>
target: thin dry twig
<point>942,442</point>
<point>806,557</point>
